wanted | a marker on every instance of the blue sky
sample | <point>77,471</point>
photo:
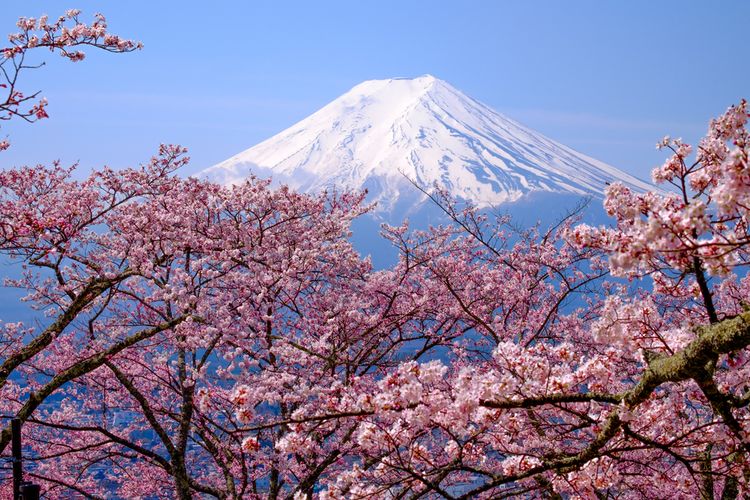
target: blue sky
<point>606,78</point>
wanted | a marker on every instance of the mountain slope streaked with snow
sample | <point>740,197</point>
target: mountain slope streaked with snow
<point>384,131</point>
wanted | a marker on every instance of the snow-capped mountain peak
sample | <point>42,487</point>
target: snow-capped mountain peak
<point>383,133</point>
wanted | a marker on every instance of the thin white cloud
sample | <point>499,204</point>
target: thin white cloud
<point>558,118</point>
<point>181,101</point>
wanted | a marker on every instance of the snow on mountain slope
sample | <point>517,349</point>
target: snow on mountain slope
<point>384,131</point>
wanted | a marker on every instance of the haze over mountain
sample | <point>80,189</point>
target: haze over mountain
<point>382,132</point>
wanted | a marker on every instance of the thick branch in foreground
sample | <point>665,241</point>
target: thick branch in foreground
<point>80,368</point>
<point>713,340</point>
<point>88,295</point>
<point>583,397</point>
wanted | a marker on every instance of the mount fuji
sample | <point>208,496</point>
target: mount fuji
<point>384,135</point>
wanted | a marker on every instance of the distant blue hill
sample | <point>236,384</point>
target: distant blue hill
<point>543,208</point>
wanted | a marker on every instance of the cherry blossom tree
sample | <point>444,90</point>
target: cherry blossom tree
<point>263,340</point>
<point>636,389</point>
<point>66,36</point>
<point>157,288</point>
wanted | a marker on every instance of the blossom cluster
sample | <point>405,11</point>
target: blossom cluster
<point>66,35</point>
